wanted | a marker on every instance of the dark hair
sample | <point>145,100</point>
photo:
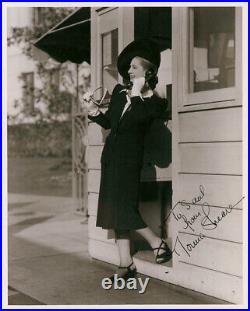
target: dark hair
<point>151,72</point>
<point>150,76</point>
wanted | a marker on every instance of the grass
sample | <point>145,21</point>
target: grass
<point>40,176</point>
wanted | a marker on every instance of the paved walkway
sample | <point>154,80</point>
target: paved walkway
<point>49,262</point>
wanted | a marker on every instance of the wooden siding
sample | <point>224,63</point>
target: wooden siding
<point>211,158</point>
<point>211,125</point>
<point>207,151</point>
<point>204,280</point>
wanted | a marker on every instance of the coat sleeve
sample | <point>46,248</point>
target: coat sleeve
<point>103,119</point>
<point>152,108</point>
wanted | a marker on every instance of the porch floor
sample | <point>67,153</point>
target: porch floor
<point>49,262</point>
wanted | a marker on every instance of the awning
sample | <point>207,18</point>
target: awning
<point>70,39</point>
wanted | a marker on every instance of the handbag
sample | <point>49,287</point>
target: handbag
<point>157,145</point>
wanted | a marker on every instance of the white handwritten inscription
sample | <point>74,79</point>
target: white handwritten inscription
<point>194,217</point>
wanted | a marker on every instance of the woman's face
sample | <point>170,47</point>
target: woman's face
<point>136,69</point>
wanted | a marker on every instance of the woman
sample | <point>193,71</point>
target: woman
<point>131,110</point>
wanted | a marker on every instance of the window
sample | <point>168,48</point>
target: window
<point>60,99</point>
<point>38,16</point>
<point>54,78</point>
<point>212,49</point>
<point>28,90</point>
<point>109,59</point>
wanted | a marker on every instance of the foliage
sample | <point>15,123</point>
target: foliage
<point>40,139</point>
<point>50,101</point>
<point>49,17</point>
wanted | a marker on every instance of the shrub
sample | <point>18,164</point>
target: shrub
<point>41,139</point>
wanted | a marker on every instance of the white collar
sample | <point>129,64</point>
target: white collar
<point>146,94</point>
<point>149,93</point>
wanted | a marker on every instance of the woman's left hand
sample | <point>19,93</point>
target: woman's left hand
<point>88,103</point>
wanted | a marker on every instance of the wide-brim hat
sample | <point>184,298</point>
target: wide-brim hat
<point>142,48</point>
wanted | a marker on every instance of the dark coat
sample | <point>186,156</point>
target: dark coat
<point>122,158</point>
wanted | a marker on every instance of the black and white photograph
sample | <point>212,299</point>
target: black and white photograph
<point>124,155</point>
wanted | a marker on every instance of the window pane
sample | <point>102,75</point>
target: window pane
<point>28,90</point>
<point>38,16</point>
<point>212,48</point>
<point>109,59</point>
<point>55,78</point>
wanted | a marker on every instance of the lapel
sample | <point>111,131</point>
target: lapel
<point>123,101</point>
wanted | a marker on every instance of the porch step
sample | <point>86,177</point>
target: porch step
<point>145,263</point>
<point>148,256</point>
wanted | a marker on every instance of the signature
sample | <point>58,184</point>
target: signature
<point>207,222</point>
<point>188,248</point>
<point>201,218</point>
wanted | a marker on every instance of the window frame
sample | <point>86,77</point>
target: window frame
<point>224,97</point>
<point>107,21</point>
<point>112,66</point>
<point>104,20</point>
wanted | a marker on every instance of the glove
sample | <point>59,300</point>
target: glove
<point>89,105</point>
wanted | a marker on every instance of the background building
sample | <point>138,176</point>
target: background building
<point>43,96</point>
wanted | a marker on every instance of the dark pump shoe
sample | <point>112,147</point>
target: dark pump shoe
<point>129,273</point>
<point>164,256</point>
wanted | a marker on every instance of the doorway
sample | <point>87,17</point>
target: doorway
<point>155,23</point>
